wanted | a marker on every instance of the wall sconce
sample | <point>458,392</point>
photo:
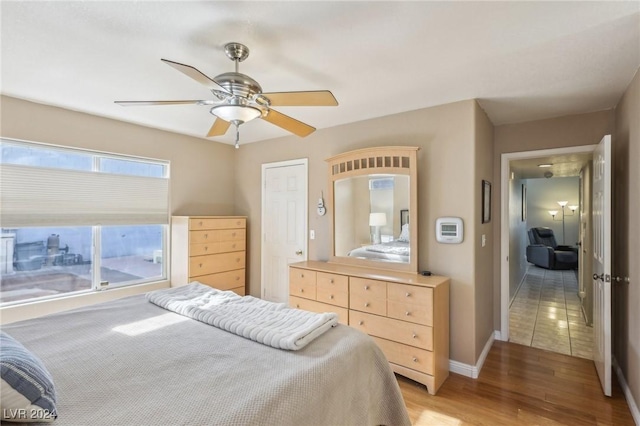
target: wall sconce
<point>376,220</point>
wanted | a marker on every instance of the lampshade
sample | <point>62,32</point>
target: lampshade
<point>377,219</point>
<point>573,208</point>
<point>563,203</point>
<point>553,212</point>
<point>240,113</point>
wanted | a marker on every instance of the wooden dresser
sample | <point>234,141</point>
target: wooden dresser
<point>210,250</point>
<point>407,314</point>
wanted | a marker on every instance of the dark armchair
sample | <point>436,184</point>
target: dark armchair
<point>545,252</point>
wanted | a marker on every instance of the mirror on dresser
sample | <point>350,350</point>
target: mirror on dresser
<point>373,205</point>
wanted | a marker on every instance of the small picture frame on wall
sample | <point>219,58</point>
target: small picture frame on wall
<point>524,203</point>
<point>486,201</point>
<point>404,217</point>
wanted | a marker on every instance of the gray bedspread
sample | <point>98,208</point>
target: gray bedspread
<point>129,362</point>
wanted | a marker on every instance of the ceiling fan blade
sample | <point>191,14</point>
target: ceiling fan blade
<point>313,98</point>
<point>196,75</point>
<point>290,124</point>
<point>219,128</point>
<point>142,103</point>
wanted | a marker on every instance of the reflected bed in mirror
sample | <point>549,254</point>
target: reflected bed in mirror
<point>372,192</point>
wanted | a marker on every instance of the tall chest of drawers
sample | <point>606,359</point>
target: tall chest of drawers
<point>210,250</point>
<point>406,314</point>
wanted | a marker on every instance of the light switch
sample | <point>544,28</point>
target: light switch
<point>312,234</point>
<point>484,240</point>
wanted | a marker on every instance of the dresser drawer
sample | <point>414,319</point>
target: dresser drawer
<point>407,356</point>
<point>217,223</point>
<point>369,288</point>
<point>313,306</point>
<point>332,282</point>
<point>216,236</point>
<point>409,312</point>
<point>212,263</point>
<point>332,289</point>
<point>302,283</point>
<point>367,303</point>
<point>224,280</point>
<point>410,294</point>
<point>416,335</point>
<point>200,249</point>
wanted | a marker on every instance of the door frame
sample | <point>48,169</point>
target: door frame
<point>505,161</point>
<point>287,163</point>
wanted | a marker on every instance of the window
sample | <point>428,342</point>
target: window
<point>77,221</point>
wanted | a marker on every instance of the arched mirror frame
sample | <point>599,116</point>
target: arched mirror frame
<point>399,160</point>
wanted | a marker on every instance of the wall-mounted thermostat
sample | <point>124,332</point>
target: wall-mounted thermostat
<point>449,230</point>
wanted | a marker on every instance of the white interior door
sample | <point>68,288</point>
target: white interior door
<point>602,262</point>
<point>284,225</point>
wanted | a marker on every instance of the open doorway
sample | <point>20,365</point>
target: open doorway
<point>544,305</point>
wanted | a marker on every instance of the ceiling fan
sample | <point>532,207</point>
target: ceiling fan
<point>239,98</point>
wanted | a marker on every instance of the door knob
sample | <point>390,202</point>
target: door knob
<point>598,277</point>
<point>299,252</point>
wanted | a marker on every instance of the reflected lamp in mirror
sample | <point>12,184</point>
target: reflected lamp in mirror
<point>376,220</point>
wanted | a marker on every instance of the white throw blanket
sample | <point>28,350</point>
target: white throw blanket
<point>269,323</point>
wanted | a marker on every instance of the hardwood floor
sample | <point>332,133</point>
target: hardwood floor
<point>520,385</point>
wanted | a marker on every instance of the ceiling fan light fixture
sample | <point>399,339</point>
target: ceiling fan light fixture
<point>236,113</point>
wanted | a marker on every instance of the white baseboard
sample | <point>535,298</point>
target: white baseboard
<point>635,412</point>
<point>473,371</point>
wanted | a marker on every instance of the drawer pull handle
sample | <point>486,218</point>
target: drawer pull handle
<point>407,313</point>
<point>408,294</point>
<point>331,296</point>
<point>206,248</point>
<point>366,304</point>
<point>200,223</point>
<point>301,275</point>
<point>233,234</point>
<point>414,335</point>
<point>238,278</point>
<point>200,265</point>
<point>238,259</point>
<point>302,290</point>
<point>331,281</point>
<point>297,306</point>
<point>233,246</point>
<point>415,359</point>
<point>366,287</point>
<point>360,322</point>
<point>206,236</point>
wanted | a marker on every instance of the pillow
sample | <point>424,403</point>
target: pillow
<point>27,393</point>
<point>404,233</point>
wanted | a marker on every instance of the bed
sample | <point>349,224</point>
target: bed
<point>130,362</point>
<point>397,250</point>
<point>393,251</point>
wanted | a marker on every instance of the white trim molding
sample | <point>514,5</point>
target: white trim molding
<point>473,371</point>
<point>633,407</point>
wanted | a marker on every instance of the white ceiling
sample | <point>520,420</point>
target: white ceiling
<point>522,60</point>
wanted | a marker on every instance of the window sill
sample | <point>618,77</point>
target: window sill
<point>36,309</point>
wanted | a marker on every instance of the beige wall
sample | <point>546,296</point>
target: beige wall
<point>202,172</point>
<point>448,185</point>
<point>518,238</point>
<point>626,237</point>
<point>483,257</point>
<point>572,130</point>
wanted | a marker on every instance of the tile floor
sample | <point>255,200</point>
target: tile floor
<point>546,314</point>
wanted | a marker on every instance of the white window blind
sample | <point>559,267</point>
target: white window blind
<point>40,196</point>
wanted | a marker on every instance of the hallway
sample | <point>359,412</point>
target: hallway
<point>546,314</point>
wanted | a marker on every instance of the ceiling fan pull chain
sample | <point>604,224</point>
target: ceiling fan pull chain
<point>237,133</point>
